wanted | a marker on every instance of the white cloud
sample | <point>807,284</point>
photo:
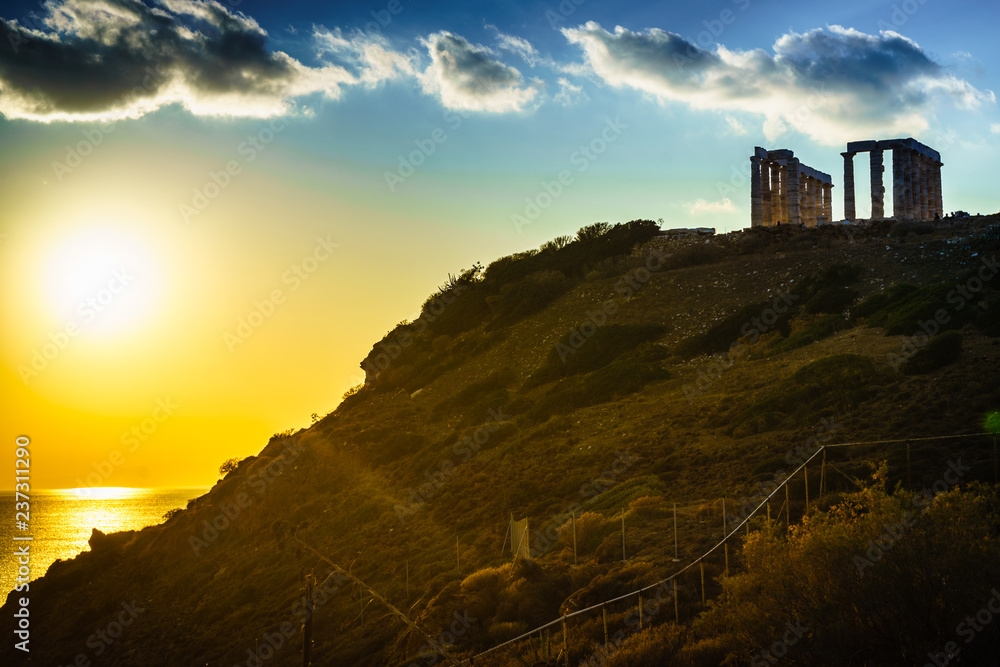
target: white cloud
<point>569,94</point>
<point>469,77</point>
<point>701,206</point>
<point>735,127</point>
<point>517,45</point>
<point>832,84</point>
<point>995,128</point>
<point>369,56</point>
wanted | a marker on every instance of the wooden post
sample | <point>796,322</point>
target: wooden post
<point>361,600</point>
<point>676,557</point>
<point>565,650</point>
<point>623,534</point>
<point>458,556</point>
<point>604,615</point>
<point>909,481</point>
<point>677,613</point>
<point>822,473</point>
<point>407,578</point>
<point>307,626</point>
<point>574,536</point>
<point>725,535</point>
<point>640,610</point>
<point>702,564</point>
<point>805,476</point>
<point>788,506</point>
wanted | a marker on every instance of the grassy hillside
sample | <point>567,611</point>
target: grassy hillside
<point>605,377</point>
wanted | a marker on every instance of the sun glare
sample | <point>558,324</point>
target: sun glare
<point>102,492</point>
<point>103,279</point>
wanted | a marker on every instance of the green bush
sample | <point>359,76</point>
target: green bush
<point>820,329</point>
<point>574,353</point>
<point>940,351</point>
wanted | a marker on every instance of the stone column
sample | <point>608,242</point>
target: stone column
<point>938,200</point>
<point>878,189</point>
<point>915,184</point>
<point>849,210</point>
<point>776,213</point>
<point>794,213</point>
<point>783,193</point>
<point>925,188</point>
<point>828,201</point>
<point>898,186</point>
<point>815,201</point>
<point>756,203</point>
<point>765,189</point>
<point>907,168</point>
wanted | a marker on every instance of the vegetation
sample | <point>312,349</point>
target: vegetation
<point>479,414</point>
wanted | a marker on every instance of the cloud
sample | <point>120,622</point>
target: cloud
<point>995,128</point>
<point>569,94</point>
<point>517,45</point>
<point>370,56</point>
<point>832,84</point>
<point>701,206</point>
<point>469,77</point>
<point>109,59</point>
<point>735,127</point>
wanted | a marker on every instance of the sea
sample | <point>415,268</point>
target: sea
<point>61,520</point>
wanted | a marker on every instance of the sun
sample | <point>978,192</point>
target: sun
<point>102,278</point>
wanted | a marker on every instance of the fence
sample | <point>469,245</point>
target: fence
<point>591,634</point>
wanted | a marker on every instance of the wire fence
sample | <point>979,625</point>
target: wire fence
<point>583,637</point>
<point>590,635</point>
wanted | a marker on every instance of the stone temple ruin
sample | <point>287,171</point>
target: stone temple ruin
<point>916,179</point>
<point>785,191</point>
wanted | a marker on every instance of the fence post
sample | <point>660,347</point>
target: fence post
<point>565,643</point>
<point>604,616</point>
<point>788,506</point>
<point>407,578</point>
<point>307,626</point>
<point>623,534</point>
<point>725,535</point>
<point>640,610</point>
<point>822,473</point>
<point>458,556</point>
<point>676,558</point>
<point>574,536</point>
<point>677,613</point>
<point>805,476</point>
<point>909,481</point>
<point>702,564</point>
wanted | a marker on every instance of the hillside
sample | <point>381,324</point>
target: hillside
<point>605,377</point>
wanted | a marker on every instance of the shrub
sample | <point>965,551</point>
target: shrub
<point>940,351</point>
<point>820,329</point>
<point>833,574</point>
<point>573,353</point>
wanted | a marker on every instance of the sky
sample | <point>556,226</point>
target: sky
<point>212,210</point>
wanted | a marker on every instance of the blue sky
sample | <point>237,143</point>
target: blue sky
<point>208,146</point>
